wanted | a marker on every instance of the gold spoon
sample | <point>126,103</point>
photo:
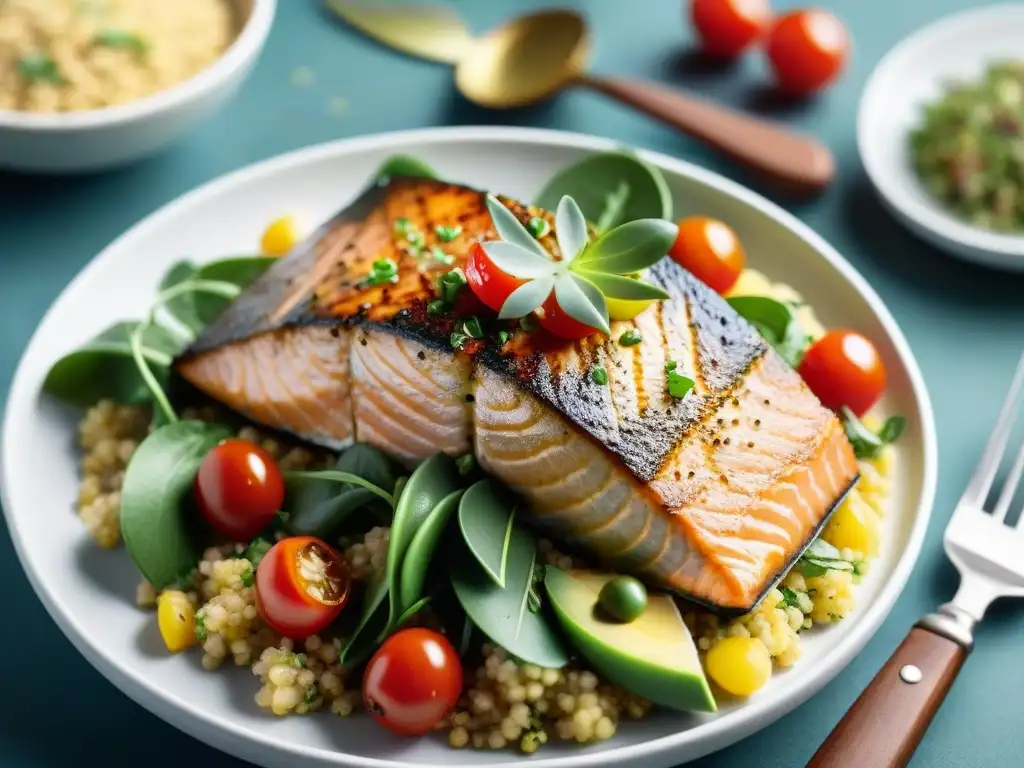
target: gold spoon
<point>532,57</point>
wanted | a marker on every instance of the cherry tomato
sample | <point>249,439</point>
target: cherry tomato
<point>554,320</point>
<point>843,368</point>
<point>413,681</point>
<point>490,284</point>
<point>239,489</point>
<point>301,586</point>
<point>807,50</point>
<point>710,250</point>
<point>727,27</point>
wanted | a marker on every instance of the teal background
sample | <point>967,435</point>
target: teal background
<point>965,324</point>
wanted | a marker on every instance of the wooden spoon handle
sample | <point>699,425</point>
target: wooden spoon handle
<point>887,722</point>
<point>797,161</point>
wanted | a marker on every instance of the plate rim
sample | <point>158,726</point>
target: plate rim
<point>940,228</point>
<point>712,735</point>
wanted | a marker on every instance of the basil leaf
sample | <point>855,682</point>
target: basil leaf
<point>620,287</point>
<point>104,368</point>
<point>486,524</point>
<point>892,429</point>
<point>631,247</point>
<point>611,188</point>
<point>158,512</point>
<point>503,613</point>
<point>404,165</point>
<point>776,322</point>
<point>866,444</point>
<point>424,544</point>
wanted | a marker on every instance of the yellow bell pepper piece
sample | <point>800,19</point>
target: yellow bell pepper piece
<point>176,619</point>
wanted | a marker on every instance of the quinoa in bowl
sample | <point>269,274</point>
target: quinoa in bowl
<point>74,55</point>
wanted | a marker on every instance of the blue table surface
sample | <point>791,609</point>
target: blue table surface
<point>965,324</point>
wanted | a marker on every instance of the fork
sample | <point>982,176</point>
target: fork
<point>887,722</point>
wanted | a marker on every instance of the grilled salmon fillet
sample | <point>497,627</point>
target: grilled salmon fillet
<point>712,496</point>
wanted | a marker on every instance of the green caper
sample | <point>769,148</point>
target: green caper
<point>623,598</point>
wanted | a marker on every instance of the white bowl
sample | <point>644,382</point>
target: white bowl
<point>101,138</point>
<point>911,75</point>
<point>89,592</point>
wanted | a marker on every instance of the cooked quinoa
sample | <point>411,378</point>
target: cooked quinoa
<point>505,703</point>
<point>69,55</point>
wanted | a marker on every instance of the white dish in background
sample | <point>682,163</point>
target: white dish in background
<point>95,139</point>
<point>89,591</point>
<point>911,75</point>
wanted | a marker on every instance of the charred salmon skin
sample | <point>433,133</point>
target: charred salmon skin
<point>712,495</point>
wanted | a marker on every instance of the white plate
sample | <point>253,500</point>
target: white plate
<point>911,75</point>
<point>89,591</point>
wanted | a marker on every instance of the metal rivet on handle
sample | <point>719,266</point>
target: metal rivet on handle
<point>910,674</point>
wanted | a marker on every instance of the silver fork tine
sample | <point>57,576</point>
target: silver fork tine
<point>985,474</point>
<point>1010,487</point>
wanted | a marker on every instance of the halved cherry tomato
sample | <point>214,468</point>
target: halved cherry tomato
<point>727,27</point>
<point>490,284</point>
<point>239,489</point>
<point>301,586</point>
<point>554,320</point>
<point>710,250</point>
<point>413,681</point>
<point>807,50</point>
<point>844,368</point>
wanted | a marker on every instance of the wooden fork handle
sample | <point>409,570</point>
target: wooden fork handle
<point>887,722</point>
<point>800,163</point>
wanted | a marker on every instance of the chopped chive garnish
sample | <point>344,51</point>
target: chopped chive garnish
<point>599,374</point>
<point>472,328</point>
<point>679,385</point>
<point>503,336</point>
<point>538,227</point>
<point>119,38</point>
<point>402,225</point>
<point>458,339</point>
<point>382,271</point>
<point>450,283</point>
<point>528,323</point>
<point>439,255</point>
<point>415,239</point>
<point>630,338</point>
<point>446,234</point>
<point>38,67</point>
<point>671,365</point>
<point>436,308</point>
<point>465,464</point>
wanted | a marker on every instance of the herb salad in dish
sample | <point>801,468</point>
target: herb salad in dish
<point>364,570</point>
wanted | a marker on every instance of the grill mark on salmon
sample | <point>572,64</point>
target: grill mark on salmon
<point>712,495</point>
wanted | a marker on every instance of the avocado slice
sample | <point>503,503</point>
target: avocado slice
<point>653,656</point>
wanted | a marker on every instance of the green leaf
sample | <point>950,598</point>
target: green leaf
<point>822,549</point>
<point>611,188</point>
<point>39,67</point>
<point>789,598</point>
<point>404,165</point>
<point>256,550</point>
<point>421,550</point>
<point>198,309</point>
<point>321,507</point>
<point>511,230</point>
<point>517,261</point>
<point>526,298</point>
<point>104,368</point>
<point>892,429</point>
<point>120,38</point>
<point>502,613</point>
<point>486,524</point>
<point>776,322</point>
<point>412,610</point>
<point>570,229</point>
<point>428,485</point>
<point>619,287</point>
<point>157,508</point>
<point>679,386</point>
<point>582,301</point>
<point>373,624</point>
<point>866,444</point>
<point>630,247</point>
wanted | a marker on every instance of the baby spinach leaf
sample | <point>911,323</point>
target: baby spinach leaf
<point>412,610</point>
<point>181,308</point>
<point>486,523</point>
<point>866,444</point>
<point>421,550</point>
<point>776,322</point>
<point>404,165</point>
<point>373,624</point>
<point>157,510</point>
<point>318,507</point>
<point>196,310</point>
<point>611,188</point>
<point>428,485</point>
<point>503,613</point>
<point>104,367</point>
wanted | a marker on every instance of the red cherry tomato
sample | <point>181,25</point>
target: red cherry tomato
<point>490,284</point>
<point>555,321</point>
<point>807,50</point>
<point>413,681</point>
<point>843,368</point>
<point>239,489</point>
<point>727,27</point>
<point>301,586</point>
<point>710,250</point>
